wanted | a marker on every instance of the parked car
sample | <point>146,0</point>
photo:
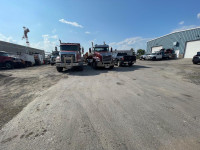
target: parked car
<point>123,58</point>
<point>196,58</point>
<point>17,61</point>
<point>143,57</point>
<point>6,61</point>
<point>155,56</point>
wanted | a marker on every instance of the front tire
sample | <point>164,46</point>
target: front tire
<point>111,67</point>
<point>94,65</point>
<point>59,69</point>
<point>130,64</point>
<point>9,65</point>
<point>154,58</point>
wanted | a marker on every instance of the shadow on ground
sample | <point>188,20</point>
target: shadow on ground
<point>89,71</point>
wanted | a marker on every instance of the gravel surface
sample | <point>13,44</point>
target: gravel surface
<point>152,105</point>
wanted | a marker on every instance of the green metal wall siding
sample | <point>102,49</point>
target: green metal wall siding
<point>180,37</point>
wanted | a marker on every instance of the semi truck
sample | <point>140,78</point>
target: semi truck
<point>69,57</point>
<point>100,56</point>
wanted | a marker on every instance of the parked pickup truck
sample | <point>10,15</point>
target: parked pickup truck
<point>155,56</point>
<point>196,58</point>
<point>122,58</point>
<point>10,61</point>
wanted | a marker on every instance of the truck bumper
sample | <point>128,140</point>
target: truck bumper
<point>128,62</point>
<point>105,65</point>
<point>69,65</point>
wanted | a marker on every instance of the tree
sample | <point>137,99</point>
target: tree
<point>140,52</point>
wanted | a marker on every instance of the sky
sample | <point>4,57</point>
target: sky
<point>123,24</point>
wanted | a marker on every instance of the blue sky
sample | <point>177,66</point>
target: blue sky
<point>123,24</point>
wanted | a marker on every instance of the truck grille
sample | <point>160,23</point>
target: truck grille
<point>67,55</point>
<point>107,58</point>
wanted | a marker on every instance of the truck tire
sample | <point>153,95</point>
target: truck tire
<point>59,69</point>
<point>9,65</point>
<point>94,65</point>
<point>111,67</point>
<point>154,58</point>
<point>80,68</point>
<point>130,64</point>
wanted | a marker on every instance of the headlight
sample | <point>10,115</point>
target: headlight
<point>97,59</point>
<point>58,59</point>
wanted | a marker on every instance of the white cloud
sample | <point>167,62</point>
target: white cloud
<point>75,24</point>
<point>181,23</point>
<point>48,44</point>
<point>185,28</point>
<point>198,15</point>
<point>54,37</point>
<point>133,42</point>
<point>87,32</point>
<point>6,39</point>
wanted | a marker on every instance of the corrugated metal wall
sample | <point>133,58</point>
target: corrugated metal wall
<point>180,37</point>
<point>14,48</point>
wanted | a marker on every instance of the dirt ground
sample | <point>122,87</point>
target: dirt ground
<point>19,87</point>
<point>151,105</point>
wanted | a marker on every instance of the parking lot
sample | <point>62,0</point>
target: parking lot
<point>151,105</point>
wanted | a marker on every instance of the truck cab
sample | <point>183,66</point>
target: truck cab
<point>122,58</point>
<point>155,56</point>
<point>69,57</point>
<point>101,57</point>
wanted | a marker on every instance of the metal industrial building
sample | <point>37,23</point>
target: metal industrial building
<point>18,49</point>
<point>185,43</point>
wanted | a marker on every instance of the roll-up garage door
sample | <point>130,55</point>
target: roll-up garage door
<point>154,49</point>
<point>192,48</point>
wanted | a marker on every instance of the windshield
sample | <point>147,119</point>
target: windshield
<point>153,53</point>
<point>121,54</point>
<point>3,54</point>
<point>101,49</point>
<point>69,47</point>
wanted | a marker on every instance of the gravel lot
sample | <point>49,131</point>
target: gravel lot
<point>152,105</point>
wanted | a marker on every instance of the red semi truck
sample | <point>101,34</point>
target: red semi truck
<point>100,57</point>
<point>69,57</point>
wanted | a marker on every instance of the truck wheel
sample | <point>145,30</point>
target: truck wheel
<point>119,64</point>
<point>130,64</point>
<point>154,58</point>
<point>94,65</point>
<point>80,68</point>
<point>52,64</point>
<point>59,69</point>
<point>111,67</point>
<point>9,65</point>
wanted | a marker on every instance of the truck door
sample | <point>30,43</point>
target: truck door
<point>159,56</point>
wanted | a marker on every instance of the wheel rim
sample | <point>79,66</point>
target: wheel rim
<point>8,65</point>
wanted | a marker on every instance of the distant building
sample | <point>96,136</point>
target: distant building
<point>18,49</point>
<point>185,43</point>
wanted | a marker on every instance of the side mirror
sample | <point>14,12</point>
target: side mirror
<point>111,49</point>
<point>90,51</point>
